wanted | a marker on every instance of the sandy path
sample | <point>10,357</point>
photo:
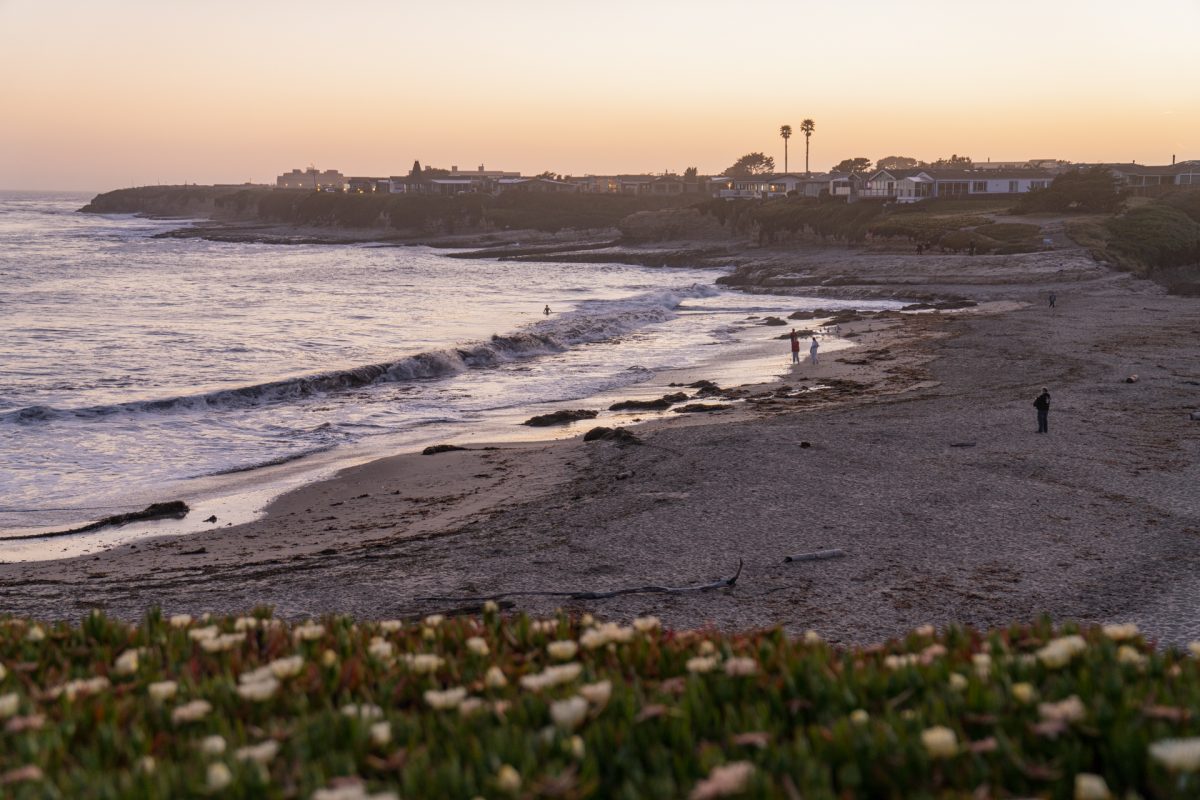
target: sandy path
<point>949,506</point>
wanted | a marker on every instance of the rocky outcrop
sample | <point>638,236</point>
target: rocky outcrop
<point>560,417</point>
<point>661,404</point>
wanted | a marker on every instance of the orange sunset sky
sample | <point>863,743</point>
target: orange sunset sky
<point>99,94</point>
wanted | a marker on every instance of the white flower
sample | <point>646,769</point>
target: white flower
<point>1069,710</point>
<point>508,779</point>
<point>9,703</point>
<point>723,781</point>
<point>552,676</point>
<point>309,631</point>
<point>200,634</point>
<point>126,663</point>
<point>647,624</point>
<point>895,662</point>
<point>328,658</point>
<point>423,662</point>
<point>707,648</point>
<point>381,733</point>
<point>562,651</point>
<point>261,753</point>
<point>569,714</point>
<point>1091,787</point>
<point>1059,652</point>
<point>1177,755</point>
<point>925,631</point>
<point>701,664</point>
<point>543,625</point>
<point>245,623</point>
<point>940,742</point>
<point>859,716</point>
<point>434,620</point>
<point>1024,692</point>
<point>741,666</point>
<point>380,648</point>
<point>147,764</point>
<point>575,746</point>
<point>191,712</point>
<point>478,645</point>
<point>3,672</point>
<point>1194,648</point>
<point>442,700</point>
<point>82,686</point>
<point>491,607</point>
<point>470,706</point>
<point>363,711</point>
<point>494,679</point>
<point>260,690</point>
<point>597,693</point>
<point>587,620</point>
<point>606,633</point>
<point>1121,633</point>
<point>957,682</point>
<point>287,667</point>
<point>1130,655</point>
<point>181,620</point>
<point>812,637</point>
<point>222,643</point>
<point>219,776</point>
<point>35,633</point>
<point>212,745</point>
<point>983,665</point>
<point>390,625</point>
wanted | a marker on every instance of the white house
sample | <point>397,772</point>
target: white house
<point>965,183</point>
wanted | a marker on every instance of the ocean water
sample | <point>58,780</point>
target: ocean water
<point>132,367</point>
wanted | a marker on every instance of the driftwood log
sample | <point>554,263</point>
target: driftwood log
<point>817,555</point>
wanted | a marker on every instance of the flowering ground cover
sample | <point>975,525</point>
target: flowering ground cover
<point>506,706</point>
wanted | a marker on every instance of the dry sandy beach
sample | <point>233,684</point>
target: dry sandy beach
<point>923,466</point>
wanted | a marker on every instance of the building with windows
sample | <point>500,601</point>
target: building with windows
<point>312,179</point>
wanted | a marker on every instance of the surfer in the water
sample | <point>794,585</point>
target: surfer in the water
<point>546,310</point>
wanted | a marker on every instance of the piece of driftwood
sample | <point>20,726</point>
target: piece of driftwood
<point>721,584</point>
<point>817,555</point>
<point>175,509</point>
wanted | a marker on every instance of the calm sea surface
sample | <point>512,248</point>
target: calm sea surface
<point>131,365</point>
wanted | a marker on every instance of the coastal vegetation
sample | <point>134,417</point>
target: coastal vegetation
<point>507,706</point>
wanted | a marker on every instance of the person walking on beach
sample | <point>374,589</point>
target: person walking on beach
<point>812,350</point>
<point>1053,299</point>
<point>795,346</point>
<point>546,310</point>
<point>1042,404</point>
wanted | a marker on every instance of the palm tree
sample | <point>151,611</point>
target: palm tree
<point>786,132</point>
<point>807,127</point>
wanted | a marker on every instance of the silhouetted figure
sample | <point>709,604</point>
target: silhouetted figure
<point>812,350</point>
<point>920,248</point>
<point>971,248</point>
<point>546,310</point>
<point>1042,404</point>
<point>1053,299</point>
<point>795,346</point>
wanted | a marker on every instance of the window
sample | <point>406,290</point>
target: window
<point>979,186</point>
<point>1037,184</point>
<point>1014,187</point>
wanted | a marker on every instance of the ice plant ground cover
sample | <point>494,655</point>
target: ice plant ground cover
<point>495,707</point>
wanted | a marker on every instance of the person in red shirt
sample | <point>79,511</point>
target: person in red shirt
<point>795,347</point>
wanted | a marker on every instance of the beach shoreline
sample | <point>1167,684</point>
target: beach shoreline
<point>948,506</point>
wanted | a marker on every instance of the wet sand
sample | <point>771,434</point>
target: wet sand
<point>922,465</point>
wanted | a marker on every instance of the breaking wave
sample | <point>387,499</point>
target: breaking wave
<point>594,321</point>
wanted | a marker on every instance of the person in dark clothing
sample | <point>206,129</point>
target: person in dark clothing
<point>1053,299</point>
<point>1042,404</point>
<point>795,346</point>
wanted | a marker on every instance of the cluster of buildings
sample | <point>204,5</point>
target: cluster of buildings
<point>990,179</point>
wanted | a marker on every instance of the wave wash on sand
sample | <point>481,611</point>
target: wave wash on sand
<point>595,321</point>
<point>497,706</point>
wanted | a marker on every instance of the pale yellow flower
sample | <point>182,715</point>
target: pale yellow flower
<point>940,742</point>
<point>983,665</point>
<point>191,712</point>
<point>508,779</point>
<point>380,648</point>
<point>381,733</point>
<point>723,781</point>
<point>245,623</point>
<point>569,714</point>
<point>859,716</point>
<point>1024,693</point>
<point>3,672</point>
<point>442,700</point>
<point>562,651</point>
<point>647,624</point>
<point>471,706</point>
<point>543,625</point>
<point>147,764</point>
<point>1194,648</point>
<point>423,662</point>
<point>162,690</point>
<point>218,776</point>
<point>706,648</point>
<point>363,711</point>
<point>741,667</point>
<point>1091,787</point>
<point>1068,710</point>
<point>429,634</point>
<point>1177,755</point>
<point>434,620</point>
<point>491,607</point>
<point>126,663</point>
<point>1129,655</point>
<point>895,662</point>
<point>1059,652</point>
<point>494,678</point>
<point>587,620</point>
<point>222,642</point>
<point>597,693</point>
<point>308,632</point>
<point>957,682</point>
<point>206,632</point>
<point>1121,633</point>
<point>925,631</point>
<point>812,637</point>
<point>9,703</point>
<point>212,745</point>
<point>604,634</point>
<point>551,676</point>
<point>328,658</point>
<point>287,667</point>
<point>181,620</point>
<point>261,753</point>
<point>702,664</point>
<point>390,625</point>
<point>81,686</point>
<point>259,691</point>
<point>478,645</point>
